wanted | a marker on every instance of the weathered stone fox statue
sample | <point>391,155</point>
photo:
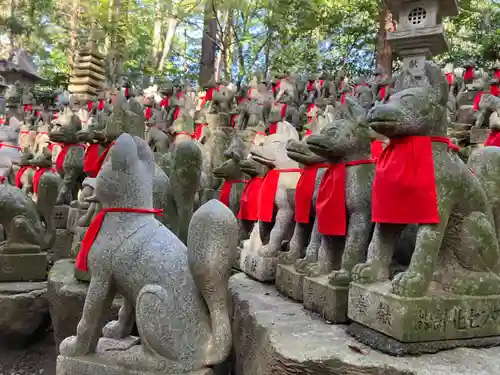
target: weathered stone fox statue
<point>178,296</point>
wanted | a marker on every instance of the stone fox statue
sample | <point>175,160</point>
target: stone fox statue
<point>177,295</point>
<point>456,244</point>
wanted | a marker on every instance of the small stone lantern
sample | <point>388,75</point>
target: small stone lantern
<point>420,33</point>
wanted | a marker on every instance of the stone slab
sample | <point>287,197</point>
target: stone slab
<point>88,65</point>
<point>89,73</point>
<point>82,89</point>
<point>24,313</point>
<point>330,302</point>
<point>86,80</point>
<point>60,216</point>
<point>258,267</point>
<point>23,267</point>
<point>274,335</point>
<point>478,135</point>
<point>438,316</point>
<point>62,247</point>
<point>66,297</point>
<point>386,344</point>
<point>289,282</point>
<point>102,362</point>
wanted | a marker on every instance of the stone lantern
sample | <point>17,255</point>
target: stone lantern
<point>420,32</point>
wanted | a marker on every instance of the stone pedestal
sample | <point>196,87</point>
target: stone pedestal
<point>62,247</point>
<point>258,267</point>
<point>401,325</point>
<point>23,267</point>
<point>289,282</point>
<point>66,297</point>
<point>60,216</point>
<point>24,312</point>
<point>274,335</point>
<point>330,302</point>
<point>466,114</point>
<point>478,136</point>
<point>73,215</point>
<point>102,362</point>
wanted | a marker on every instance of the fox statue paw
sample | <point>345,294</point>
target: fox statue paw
<point>369,272</point>
<point>409,284</point>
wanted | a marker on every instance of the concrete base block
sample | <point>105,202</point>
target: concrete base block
<point>24,312</point>
<point>274,335</point>
<point>290,282</point>
<point>103,363</point>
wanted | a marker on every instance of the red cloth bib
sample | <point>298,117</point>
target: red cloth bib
<point>494,90</point>
<point>308,131</point>
<point>164,102</point>
<point>381,92</point>
<point>148,112</point>
<point>273,128</point>
<point>268,193</point>
<point>225,192</point>
<point>176,113</point>
<point>496,74</point>
<point>249,202</point>
<point>284,108</point>
<point>469,73</point>
<point>377,148</point>
<point>90,105</point>
<point>62,155</point>
<point>304,192</point>
<point>100,161</point>
<point>36,178</point>
<point>310,86</point>
<point>95,227</point>
<point>477,99</point>
<point>493,138</point>
<point>404,187</point>
<point>198,131</point>
<point>343,96</point>
<point>100,106</point>
<point>20,173</point>
<point>90,159</point>
<point>233,120</point>
<point>28,107</point>
<point>330,203</point>
<point>449,78</point>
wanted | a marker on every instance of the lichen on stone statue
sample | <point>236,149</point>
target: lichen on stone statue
<point>194,332</point>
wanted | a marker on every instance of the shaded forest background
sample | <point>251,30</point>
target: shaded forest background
<point>153,40</point>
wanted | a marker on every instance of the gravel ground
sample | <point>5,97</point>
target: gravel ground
<point>37,359</point>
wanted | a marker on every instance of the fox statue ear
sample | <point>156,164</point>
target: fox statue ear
<point>437,80</point>
<point>144,152</point>
<point>123,153</point>
<point>355,112</point>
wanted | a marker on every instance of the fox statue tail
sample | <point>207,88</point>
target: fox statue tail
<point>211,243</point>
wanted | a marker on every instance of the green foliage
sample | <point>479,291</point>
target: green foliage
<point>303,36</point>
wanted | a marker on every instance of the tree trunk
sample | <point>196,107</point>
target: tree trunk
<point>169,38</point>
<point>75,7</point>
<point>384,50</point>
<point>221,53</point>
<point>208,43</point>
<point>155,51</point>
